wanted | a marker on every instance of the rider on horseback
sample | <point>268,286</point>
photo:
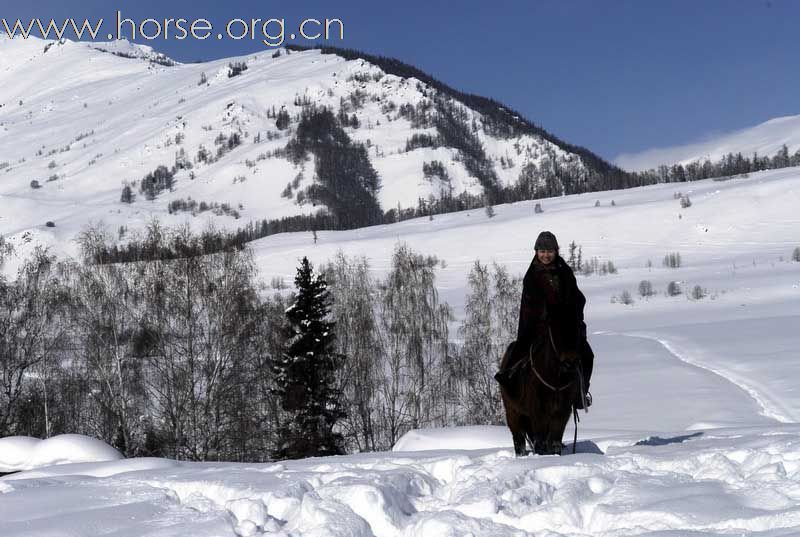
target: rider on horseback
<point>552,306</point>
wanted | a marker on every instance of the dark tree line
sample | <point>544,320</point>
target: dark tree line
<point>451,124</point>
<point>152,184</point>
<point>345,182</point>
<point>727,166</point>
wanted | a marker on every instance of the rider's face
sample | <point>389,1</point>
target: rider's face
<point>546,256</point>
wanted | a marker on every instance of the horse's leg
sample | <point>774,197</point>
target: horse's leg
<point>538,438</point>
<point>519,444</point>
<point>516,424</point>
<point>539,429</point>
<point>558,425</point>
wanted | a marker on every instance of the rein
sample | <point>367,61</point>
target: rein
<point>539,376</point>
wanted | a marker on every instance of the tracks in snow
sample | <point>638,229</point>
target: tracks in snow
<point>767,407</point>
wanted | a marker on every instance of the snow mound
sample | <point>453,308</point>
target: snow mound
<point>15,451</point>
<point>26,453</point>
<point>96,469</point>
<point>474,437</point>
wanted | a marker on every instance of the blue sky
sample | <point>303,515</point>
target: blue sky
<point>614,76</point>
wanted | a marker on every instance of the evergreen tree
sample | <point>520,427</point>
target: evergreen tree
<point>306,373</point>
<point>127,195</point>
<point>572,261</point>
<point>283,120</point>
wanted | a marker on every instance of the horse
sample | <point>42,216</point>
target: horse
<point>538,397</point>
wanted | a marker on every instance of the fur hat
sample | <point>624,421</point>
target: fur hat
<point>546,241</point>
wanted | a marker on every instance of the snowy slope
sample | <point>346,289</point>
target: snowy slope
<point>765,139</point>
<point>85,119</point>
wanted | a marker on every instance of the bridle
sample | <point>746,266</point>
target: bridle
<point>536,372</point>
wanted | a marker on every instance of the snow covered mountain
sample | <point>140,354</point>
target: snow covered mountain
<point>765,139</point>
<point>80,121</point>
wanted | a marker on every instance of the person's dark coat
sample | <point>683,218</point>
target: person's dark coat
<point>550,293</point>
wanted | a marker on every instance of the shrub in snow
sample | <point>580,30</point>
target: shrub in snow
<point>685,202</point>
<point>698,292</point>
<point>673,289</point>
<point>796,254</point>
<point>236,68</point>
<point>594,265</point>
<point>50,223</point>
<point>625,298</point>
<point>35,184</point>
<point>597,203</point>
<point>538,208</point>
<point>52,164</point>
<point>645,288</point>
<point>489,211</point>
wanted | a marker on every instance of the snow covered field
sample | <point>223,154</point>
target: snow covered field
<point>694,430</point>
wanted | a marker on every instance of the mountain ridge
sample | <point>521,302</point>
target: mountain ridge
<point>88,124</point>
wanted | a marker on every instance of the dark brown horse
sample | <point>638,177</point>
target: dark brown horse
<point>538,398</point>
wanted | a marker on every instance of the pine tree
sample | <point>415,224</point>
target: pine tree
<point>572,260</point>
<point>306,373</point>
<point>127,195</point>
